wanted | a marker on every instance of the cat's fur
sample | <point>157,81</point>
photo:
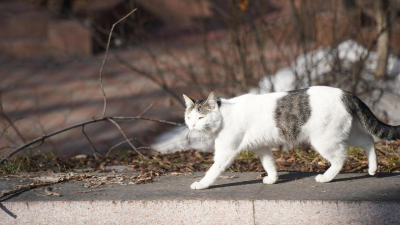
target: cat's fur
<point>328,118</point>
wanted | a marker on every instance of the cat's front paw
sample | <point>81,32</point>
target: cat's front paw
<point>322,179</point>
<point>270,180</point>
<point>198,186</point>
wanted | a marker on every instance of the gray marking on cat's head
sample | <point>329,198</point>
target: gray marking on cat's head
<point>292,112</point>
<point>202,106</point>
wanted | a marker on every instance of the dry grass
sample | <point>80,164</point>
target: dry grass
<point>193,161</point>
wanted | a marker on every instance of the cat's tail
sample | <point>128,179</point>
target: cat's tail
<point>368,120</point>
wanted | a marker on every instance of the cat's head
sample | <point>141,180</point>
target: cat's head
<point>203,114</point>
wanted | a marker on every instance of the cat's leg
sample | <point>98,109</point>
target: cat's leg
<point>222,160</point>
<point>268,162</point>
<point>335,153</point>
<point>365,141</point>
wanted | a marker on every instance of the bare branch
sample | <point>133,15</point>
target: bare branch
<point>123,134</point>
<point>42,138</point>
<point>105,58</point>
<point>91,143</point>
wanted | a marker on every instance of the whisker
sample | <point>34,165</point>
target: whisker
<point>209,134</point>
<point>189,136</point>
<point>184,129</point>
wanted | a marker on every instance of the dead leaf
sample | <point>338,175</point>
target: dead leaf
<point>49,191</point>
<point>175,174</point>
<point>81,192</point>
<point>243,4</point>
<point>77,157</point>
<point>228,177</point>
<point>261,176</point>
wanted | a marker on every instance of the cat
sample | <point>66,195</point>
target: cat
<point>328,118</point>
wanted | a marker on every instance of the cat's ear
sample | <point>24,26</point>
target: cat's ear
<point>188,101</point>
<point>212,100</point>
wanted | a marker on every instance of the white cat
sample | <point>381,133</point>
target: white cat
<point>328,118</point>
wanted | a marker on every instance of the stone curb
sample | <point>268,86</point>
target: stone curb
<point>201,212</point>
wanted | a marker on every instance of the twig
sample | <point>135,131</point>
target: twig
<point>122,142</point>
<point>5,147</point>
<point>91,143</point>
<point>358,168</point>
<point>5,130</point>
<point>147,109</point>
<point>123,134</point>
<point>104,61</point>
<point>383,153</point>
<point>143,118</point>
<point>9,146</point>
<point>42,138</point>
<point>10,122</point>
<point>41,184</point>
<point>27,187</point>
<point>149,76</point>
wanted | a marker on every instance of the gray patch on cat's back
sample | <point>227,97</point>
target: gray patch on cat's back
<point>292,112</point>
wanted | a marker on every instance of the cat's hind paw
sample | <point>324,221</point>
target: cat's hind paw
<point>322,179</point>
<point>198,186</point>
<point>372,171</point>
<point>270,180</point>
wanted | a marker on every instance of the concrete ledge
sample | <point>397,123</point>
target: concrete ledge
<point>201,212</point>
<point>297,199</point>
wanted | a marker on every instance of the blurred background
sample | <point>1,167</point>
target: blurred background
<point>51,52</point>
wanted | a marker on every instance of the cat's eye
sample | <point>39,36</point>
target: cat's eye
<point>188,117</point>
<point>201,118</point>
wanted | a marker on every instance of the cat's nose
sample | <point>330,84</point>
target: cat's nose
<point>193,125</point>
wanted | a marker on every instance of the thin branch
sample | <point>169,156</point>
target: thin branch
<point>5,130</point>
<point>37,184</point>
<point>149,76</point>
<point>91,143</point>
<point>15,128</point>
<point>42,138</point>
<point>122,142</point>
<point>123,134</point>
<point>146,109</point>
<point>144,118</point>
<point>9,146</point>
<point>105,58</point>
<point>28,187</point>
<point>10,122</point>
